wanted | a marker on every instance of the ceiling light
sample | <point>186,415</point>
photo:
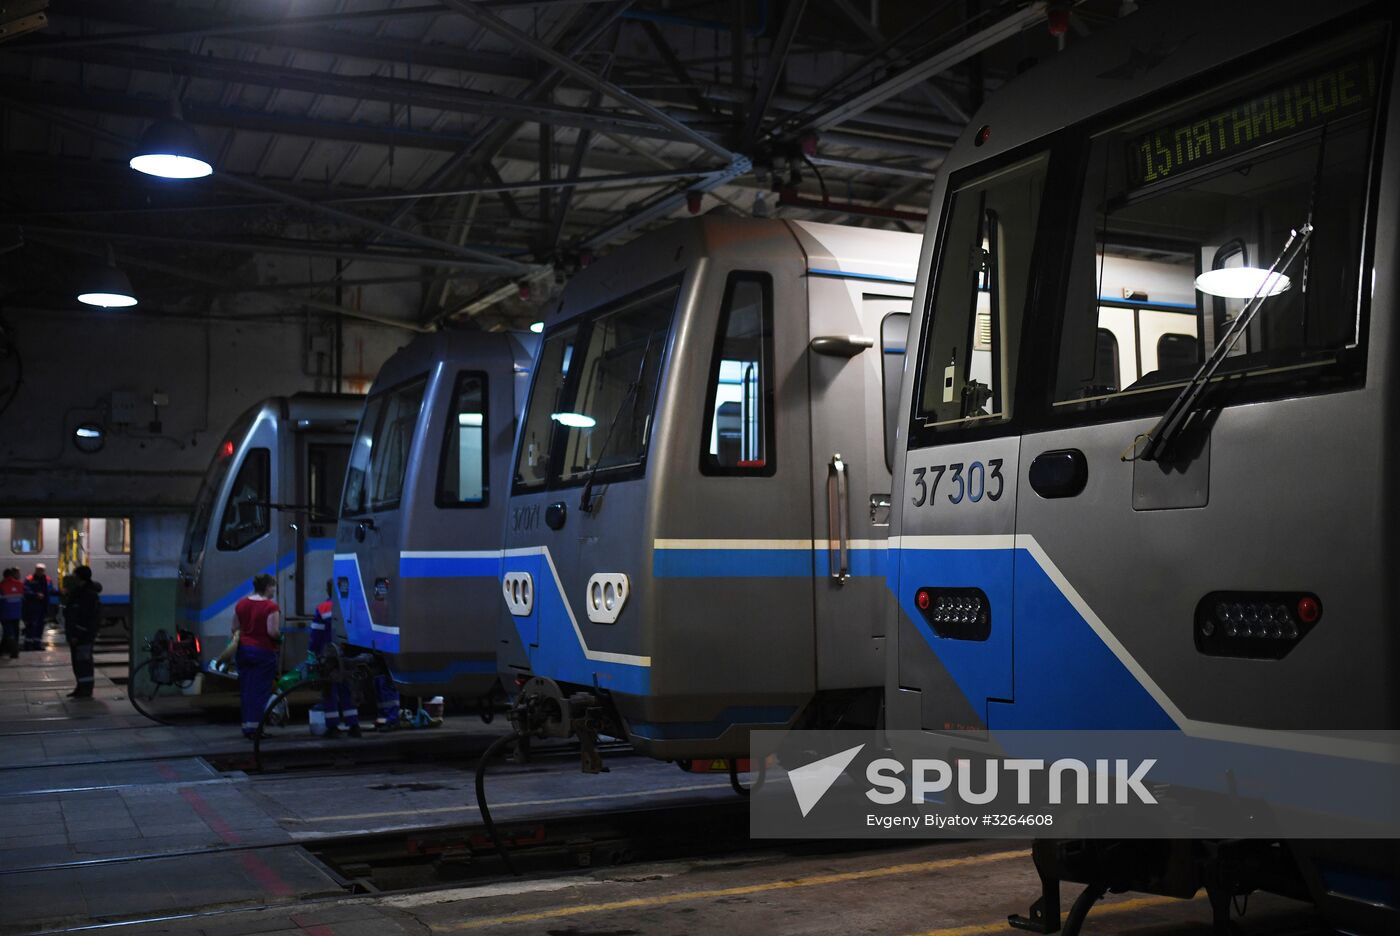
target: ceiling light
<point>1242,283</point>
<point>537,327</point>
<point>107,286</point>
<point>171,149</point>
<point>574,420</point>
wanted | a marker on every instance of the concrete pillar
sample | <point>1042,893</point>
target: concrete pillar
<point>156,541</point>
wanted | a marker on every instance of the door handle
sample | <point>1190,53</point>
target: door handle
<point>838,551</point>
<point>1061,473</point>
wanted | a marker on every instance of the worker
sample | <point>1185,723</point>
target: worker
<point>11,611</point>
<point>338,697</point>
<point>39,590</point>
<point>82,619</point>
<point>258,622</point>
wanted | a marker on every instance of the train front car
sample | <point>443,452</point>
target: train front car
<point>267,505</point>
<point>1234,580</point>
<point>698,511</point>
<point>418,544</point>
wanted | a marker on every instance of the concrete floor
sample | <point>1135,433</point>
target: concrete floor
<point>109,820</point>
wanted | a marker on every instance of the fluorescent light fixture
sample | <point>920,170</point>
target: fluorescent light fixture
<point>574,420</point>
<point>89,438</point>
<point>171,149</point>
<point>107,300</point>
<point>469,419</point>
<point>1242,283</point>
<point>88,432</point>
<point>537,327</point>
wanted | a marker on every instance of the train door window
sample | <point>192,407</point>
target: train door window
<point>26,536</point>
<point>607,425</point>
<point>546,398</point>
<point>392,441</point>
<point>738,431</point>
<point>117,539</point>
<point>971,344</point>
<point>1187,208</point>
<point>894,334</point>
<point>325,473</point>
<point>248,509</point>
<point>463,475</point>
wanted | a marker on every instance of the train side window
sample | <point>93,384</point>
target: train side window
<point>379,454</point>
<point>26,536</point>
<point>463,476</point>
<point>248,510</point>
<point>973,339</point>
<point>1186,208</point>
<point>739,400</point>
<point>325,473</point>
<point>546,391</point>
<point>894,335</point>
<point>117,538</point>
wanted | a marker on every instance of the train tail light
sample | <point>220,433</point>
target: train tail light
<point>1258,625</point>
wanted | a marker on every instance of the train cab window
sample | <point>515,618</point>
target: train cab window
<point>26,536</point>
<point>325,473</point>
<point>379,454</point>
<point>739,400</point>
<point>1187,207</point>
<point>607,423</point>
<point>546,396</point>
<point>117,539</point>
<point>463,475</point>
<point>894,336</point>
<point>248,509</point>
<point>971,344</point>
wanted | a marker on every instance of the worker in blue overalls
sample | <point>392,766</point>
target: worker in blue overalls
<point>337,698</point>
<point>39,592</point>
<point>11,611</point>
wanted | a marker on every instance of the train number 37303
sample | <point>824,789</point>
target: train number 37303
<point>969,482</point>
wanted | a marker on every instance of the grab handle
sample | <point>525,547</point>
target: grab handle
<point>838,552</point>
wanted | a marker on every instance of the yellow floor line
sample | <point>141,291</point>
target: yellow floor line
<point>661,900</point>
<point>471,807</point>
<point>1001,926</point>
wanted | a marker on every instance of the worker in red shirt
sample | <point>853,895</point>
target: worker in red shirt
<point>11,611</point>
<point>257,620</point>
<point>39,592</point>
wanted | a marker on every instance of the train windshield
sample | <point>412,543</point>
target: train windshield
<point>1186,208</point>
<point>214,477</point>
<point>594,414</point>
<point>379,455</point>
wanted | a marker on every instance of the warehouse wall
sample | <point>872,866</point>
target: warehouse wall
<point>106,367</point>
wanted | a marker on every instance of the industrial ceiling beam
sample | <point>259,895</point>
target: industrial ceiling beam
<point>488,20</point>
<point>772,71</point>
<point>934,94</point>
<point>940,61</point>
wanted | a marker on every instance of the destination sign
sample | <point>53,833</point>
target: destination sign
<point>1310,100</point>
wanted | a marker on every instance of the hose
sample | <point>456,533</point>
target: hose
<point>271,706</point>
<point>131,694</point>
<point>734,777</point>
<point>496,746</point>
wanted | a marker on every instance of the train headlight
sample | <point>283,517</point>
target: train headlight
<point>605,595</point>
<point>1256,625</point>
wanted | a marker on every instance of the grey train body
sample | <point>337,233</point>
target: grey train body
<point>713,573</point>
<point>267,505</point>
<point>417,553</point>
<point>1099,571</point>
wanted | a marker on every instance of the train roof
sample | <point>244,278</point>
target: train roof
<point>861,253</point>
<point>323,408</point>
<point>1161,45</point>
<point>461,345</point>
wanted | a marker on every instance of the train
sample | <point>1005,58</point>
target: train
<point>695,524</point>
<point>268,503</point>
<point>418,544</point>
<point>1157,475</point>
<point>60,543</point>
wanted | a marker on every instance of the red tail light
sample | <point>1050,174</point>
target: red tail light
<point>226,450</point>
<point>1309,610</point>
<point>196,645</point>
<point>923,599</point>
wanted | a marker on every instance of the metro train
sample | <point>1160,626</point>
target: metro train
<point>1185,525</point>
<point>267,504</point>
<point>103,543</point>
<point>695,527</point>
<point>418,544</point>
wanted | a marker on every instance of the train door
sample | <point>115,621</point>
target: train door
<point>245,540</point>
<point>850,476</point>
<point>956,549</point>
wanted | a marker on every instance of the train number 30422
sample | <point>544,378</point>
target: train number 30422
<point>969,482</point>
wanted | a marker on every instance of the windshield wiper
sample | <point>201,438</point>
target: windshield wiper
<point>1160,437</point>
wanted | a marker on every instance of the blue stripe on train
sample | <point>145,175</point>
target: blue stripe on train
<point>230,598</point>
<point>1065,675</point>
<point>450,566</point>
<point>748,715</point>
<point>761,563</point>
<point>446,674</point>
